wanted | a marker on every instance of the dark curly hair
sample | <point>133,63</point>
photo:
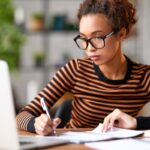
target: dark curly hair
<point>120,13</point>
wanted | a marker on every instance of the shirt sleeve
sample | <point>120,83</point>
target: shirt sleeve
<point>61,83</point>
<point>143,123</point>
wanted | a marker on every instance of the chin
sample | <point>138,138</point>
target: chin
<point>99,63</point>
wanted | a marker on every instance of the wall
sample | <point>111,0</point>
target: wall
<point>137,48</point>
<point>144,40</point>
<point>146,31</point>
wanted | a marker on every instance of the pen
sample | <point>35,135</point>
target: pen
<point>44,106</point>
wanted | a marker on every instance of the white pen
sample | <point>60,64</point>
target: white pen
<point>44,106</point>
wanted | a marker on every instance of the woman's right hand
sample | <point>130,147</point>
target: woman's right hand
<point>45,126</point>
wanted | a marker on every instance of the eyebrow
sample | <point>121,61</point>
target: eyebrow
<point>97,31</point>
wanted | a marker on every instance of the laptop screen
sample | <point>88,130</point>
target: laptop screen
<point>7,113</point>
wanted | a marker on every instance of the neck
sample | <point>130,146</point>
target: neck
<point>116,68</point>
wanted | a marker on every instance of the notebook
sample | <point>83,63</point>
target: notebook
<point>97,135</point>
<point>8,133</point>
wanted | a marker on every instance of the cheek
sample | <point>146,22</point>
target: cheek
<point>112,46</point>
<point>86,53</point>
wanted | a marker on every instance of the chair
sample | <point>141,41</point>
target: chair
<point>145,111</point>
<point>64,112</point>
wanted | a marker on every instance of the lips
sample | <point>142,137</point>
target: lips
<point>94,57</point>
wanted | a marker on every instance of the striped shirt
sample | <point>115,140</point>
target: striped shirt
<point>95,96</point>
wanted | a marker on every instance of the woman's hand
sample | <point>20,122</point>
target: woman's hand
<point>119,119</point>
<point>45,126</point>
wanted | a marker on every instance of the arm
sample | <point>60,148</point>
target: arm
<point>143,123</point>
<point>119,119</point>
<point>31,117</point>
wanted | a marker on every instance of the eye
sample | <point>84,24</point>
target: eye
<point>82,38</point>
<point>99,37</point>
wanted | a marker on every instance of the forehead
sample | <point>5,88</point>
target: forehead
<point>94,22</point>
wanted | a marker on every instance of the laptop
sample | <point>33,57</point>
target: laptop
<point>9,138</point>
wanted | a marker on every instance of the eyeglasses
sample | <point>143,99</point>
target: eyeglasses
<point>97,42</point>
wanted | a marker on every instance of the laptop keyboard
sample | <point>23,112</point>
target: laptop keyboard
<point>24,142</point>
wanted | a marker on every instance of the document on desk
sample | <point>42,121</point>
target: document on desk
<point>97,135</point>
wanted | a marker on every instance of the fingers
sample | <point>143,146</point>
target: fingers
<point>56,122</point>
<point>119,119</point>
<point>43,125</point>
<point>108,123</point>
<point>111,120</point>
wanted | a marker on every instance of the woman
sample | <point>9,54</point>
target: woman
<point>104,80</point>
<point>122,120</point>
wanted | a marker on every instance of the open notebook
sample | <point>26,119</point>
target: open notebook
<point>97,135</point>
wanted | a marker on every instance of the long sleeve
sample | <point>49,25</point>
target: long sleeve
<point>143,123</point>
<point>58,85</point>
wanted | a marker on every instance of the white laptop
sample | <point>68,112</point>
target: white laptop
<point>8,133</point>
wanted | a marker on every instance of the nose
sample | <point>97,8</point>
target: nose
<point>90,47</point>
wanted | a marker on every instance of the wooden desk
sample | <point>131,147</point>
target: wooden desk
<point>74,146</point>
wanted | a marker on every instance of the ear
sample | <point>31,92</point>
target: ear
<point>122,34</point>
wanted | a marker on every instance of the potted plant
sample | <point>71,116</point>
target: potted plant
<point>37,21</point>
<point>38,57</point>
<point>11,38</point>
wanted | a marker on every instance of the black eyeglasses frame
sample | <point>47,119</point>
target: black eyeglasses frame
<point>89,40</point>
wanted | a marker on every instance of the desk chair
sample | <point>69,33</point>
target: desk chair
<point>145,111</point>
<point>64,112</point>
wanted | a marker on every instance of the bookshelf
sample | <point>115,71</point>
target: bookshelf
<point>53,38</point>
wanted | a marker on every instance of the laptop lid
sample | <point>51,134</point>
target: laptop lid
<point>8,133</point>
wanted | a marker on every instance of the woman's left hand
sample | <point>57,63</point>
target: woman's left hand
<point>119,119</point>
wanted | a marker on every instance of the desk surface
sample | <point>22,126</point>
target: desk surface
<point>75,146</point>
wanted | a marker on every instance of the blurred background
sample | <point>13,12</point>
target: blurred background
<point>36,38</point>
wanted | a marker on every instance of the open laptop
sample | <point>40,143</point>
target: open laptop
<point>8,133</point>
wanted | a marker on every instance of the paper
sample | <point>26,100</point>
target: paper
<point>123,144</point>
<point>82,137</point>
<point>97,135</point>
<point>118,132</point>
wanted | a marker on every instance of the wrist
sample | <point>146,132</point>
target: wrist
<point>30,126</point>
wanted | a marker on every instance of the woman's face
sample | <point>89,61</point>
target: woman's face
<point>95,25</point>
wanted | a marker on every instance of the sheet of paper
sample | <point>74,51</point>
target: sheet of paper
<point>96,135</point>
<point>82,137</point>
<point>122,144</point>
<point>118,132</point>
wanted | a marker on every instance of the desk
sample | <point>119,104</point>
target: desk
<point>74,146</point>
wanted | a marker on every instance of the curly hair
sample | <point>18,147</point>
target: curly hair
<point>120,13</point>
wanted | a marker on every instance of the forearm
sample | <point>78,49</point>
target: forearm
<point>143,123</point>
